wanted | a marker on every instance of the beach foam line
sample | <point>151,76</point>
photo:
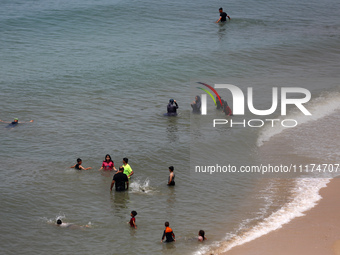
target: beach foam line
<point>305,196</point>
<point>326,104</point>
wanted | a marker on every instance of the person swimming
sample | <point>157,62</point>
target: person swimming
<point>14,123</point>
<point>172,108</point>
<point>69,225</point>
<point>78,166</point>
<point>61,224</point>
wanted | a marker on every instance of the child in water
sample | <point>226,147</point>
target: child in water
<point>201,236</point>
<point>168,234</point>
<point>78,166</point>
<point>133,219</point>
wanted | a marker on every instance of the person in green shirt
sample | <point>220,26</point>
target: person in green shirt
<point>127,168</point>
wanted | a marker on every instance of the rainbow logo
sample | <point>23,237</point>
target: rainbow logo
<point>204,97</point>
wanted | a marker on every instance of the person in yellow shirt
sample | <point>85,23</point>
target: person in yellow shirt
<point>127,168</point>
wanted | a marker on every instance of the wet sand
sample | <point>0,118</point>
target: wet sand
<point>316,233</point>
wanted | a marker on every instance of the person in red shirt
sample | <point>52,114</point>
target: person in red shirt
<point>133,219</point>
<point>108,164</point>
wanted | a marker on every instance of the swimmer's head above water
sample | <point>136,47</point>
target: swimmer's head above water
<point>59,222</point>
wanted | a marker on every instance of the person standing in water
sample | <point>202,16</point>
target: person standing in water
<point>223,16</point>
<point>168,233</point>
<point>108,164</point>
<point>119,179</point>
<point>171,181</point>
<point>172,108</point>
<point>133,219</point>
<point>127,168</point>
<point>196,105</point>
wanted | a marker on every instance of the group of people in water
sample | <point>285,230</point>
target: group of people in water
<point>121,182</point>
<point>196,106</point>
<point>169,235</point>
<point>123,174</point>
<point>121,178</point>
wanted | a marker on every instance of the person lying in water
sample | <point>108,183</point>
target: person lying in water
<point>15,122</point>
<point>69,225</point>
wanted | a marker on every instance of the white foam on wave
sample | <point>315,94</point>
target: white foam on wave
<point>305,196</point>
<point>320,107</point>
<point>138,186</point>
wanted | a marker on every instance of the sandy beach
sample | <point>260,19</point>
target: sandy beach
<point>316,233</point>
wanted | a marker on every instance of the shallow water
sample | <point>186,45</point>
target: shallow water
<point>96,78</point>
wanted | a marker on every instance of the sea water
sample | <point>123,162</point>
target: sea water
<point>96,76</point>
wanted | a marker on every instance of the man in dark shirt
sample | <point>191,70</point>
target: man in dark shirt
<point>223,16</point>
<point>172,108</point>
<point>120,179</point>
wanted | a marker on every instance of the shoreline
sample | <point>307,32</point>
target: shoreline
<point>318,232</point>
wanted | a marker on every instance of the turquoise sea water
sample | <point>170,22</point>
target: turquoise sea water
<point>96,77</point>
